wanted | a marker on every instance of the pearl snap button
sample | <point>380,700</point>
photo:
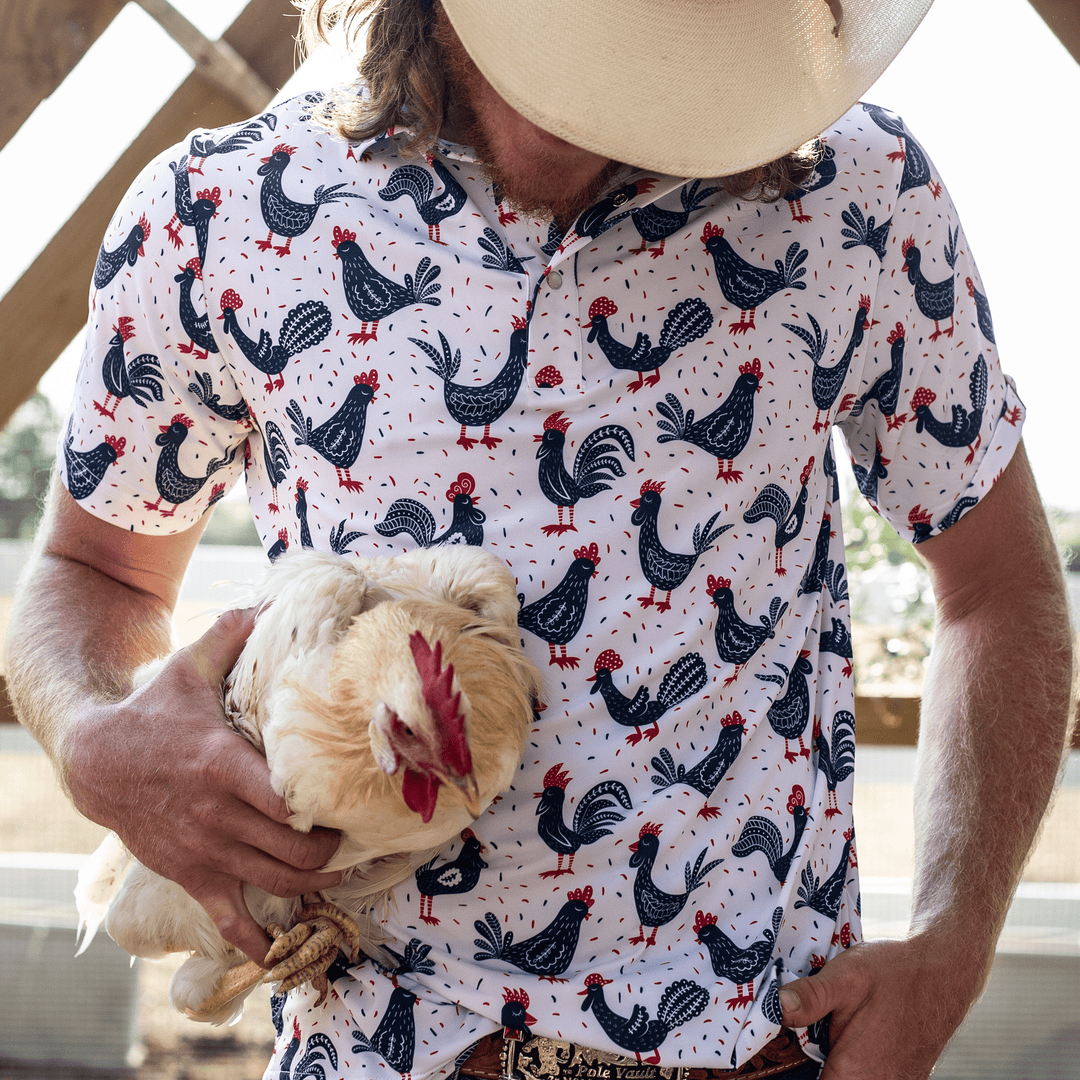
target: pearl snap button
<point>554,279</point>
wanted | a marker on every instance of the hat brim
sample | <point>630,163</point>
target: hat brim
<point>687,87</point>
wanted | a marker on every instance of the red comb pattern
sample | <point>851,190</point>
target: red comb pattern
<point>515,995</point>
<point>117,444</point>
<point>370,378</point>
<point>145,226</point>
<point>865,302</point>
<point>751,369</point>
<point>649,827</point>
<point>180,418</point>
<point>124,327</point>
<point>703,920</point>
<point>718,583</point>
<point>710,231</point>
<point>584,895</point>
<point>210,195</point>
<point>596,980</point>
<point>230,298</point>
<point>518,323</point>
<point>897,334</point>
<point>652,485</point>
<point>918,514</point>
<point>281,148</point>
<point>341,235</point>
<point>923,396</point>
<point>556,777</point>
<point>301,484</point>
<point>436,684</point>
<point>463,485</point>
<point>609,659</point>
<point>558,421</point>
<point>592,553</point>
<point>907,245</point>
<point>604,306</point>
<point>797,798</point>
<point>733,720</point>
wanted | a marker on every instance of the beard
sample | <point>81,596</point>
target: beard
<point>533,173</point>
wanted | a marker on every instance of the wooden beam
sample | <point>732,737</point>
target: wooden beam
<point>46,308</point>
<point>217,61</point>
<point>40,42</point>
<point>1063,17</point>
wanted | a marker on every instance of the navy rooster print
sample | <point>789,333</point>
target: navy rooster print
<point>687,321</point>
<point>341,438</point>
<point>370,295</point>
<point>725,431</point>
<point>595,810</point>
<point>760,834</point>
<point>473,405</point>
<point>109,263</point>
<point>557,616</point>
<point>638,1034</point>
<point>548,953</point>
<point>416,182</point>
<point>284,216</point>
<point>706,775</point>
<point>742,966</point>
<point>746,286</point>
<point>687,676</point>
<point>655,907</point>
<point>414,518</point>
<point>595,466</point>
<point>454,878</point>
<point>86,468</point>
<point>305,326</point>
<point>665,569</point>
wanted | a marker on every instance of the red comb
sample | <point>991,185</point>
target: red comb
<point>436,684</point>
<point>558,421</point>
<point>703,920</point>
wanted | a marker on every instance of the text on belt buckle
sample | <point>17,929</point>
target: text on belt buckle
<point>540,1058</point>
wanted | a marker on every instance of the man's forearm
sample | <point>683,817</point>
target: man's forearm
<point>992,733</point>
<point>76,635</point>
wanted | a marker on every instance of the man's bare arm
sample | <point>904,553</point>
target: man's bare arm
<point>191,799</point>
<point>992,733</point>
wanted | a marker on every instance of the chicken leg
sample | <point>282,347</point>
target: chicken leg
<point>300,955</point>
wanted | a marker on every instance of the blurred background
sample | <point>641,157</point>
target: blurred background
<point>94,88</point>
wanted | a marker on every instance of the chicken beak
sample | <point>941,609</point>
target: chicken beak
<point>470,792</point>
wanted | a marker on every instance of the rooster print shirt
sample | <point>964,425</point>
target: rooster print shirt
<point>637,416</point>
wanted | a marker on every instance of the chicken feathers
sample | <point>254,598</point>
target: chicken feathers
<point>391,699</point>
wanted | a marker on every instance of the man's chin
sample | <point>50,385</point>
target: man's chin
<point>544,193</point>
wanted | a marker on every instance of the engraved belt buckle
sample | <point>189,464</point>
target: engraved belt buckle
<point>539,1058</point>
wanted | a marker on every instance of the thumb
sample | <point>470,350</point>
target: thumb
<point>808,1000</point>
<point>217,651</point>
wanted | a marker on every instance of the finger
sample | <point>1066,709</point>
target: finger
<point>276,877</point>
<point>224,903</point>
<point>838,985</point>
<point>216,652</point>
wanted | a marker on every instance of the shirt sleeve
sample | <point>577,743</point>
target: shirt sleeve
<point>157,426</point>
<point>935,420</point>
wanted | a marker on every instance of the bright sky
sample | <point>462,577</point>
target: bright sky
<point>987,89</point>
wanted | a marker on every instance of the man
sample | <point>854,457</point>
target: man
<point>377,331</point>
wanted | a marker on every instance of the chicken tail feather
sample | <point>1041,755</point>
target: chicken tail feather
<point>98,882</point>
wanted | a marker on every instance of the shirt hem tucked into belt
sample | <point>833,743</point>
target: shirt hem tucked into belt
<point>496,1057</point>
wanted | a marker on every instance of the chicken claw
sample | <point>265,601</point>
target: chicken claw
<point>305,952</point>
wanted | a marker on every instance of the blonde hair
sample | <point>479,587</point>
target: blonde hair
<point>404,72</point>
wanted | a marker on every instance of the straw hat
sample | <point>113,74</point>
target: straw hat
<point>688,87</point>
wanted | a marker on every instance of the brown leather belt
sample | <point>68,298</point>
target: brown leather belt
<point>537,1058</point>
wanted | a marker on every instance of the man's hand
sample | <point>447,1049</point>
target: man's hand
<point>190,798</point>
<point>894,1006</point>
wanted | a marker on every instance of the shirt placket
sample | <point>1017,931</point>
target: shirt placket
<point>557,321</point>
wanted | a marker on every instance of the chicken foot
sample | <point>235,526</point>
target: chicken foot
<point>303,954</point>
